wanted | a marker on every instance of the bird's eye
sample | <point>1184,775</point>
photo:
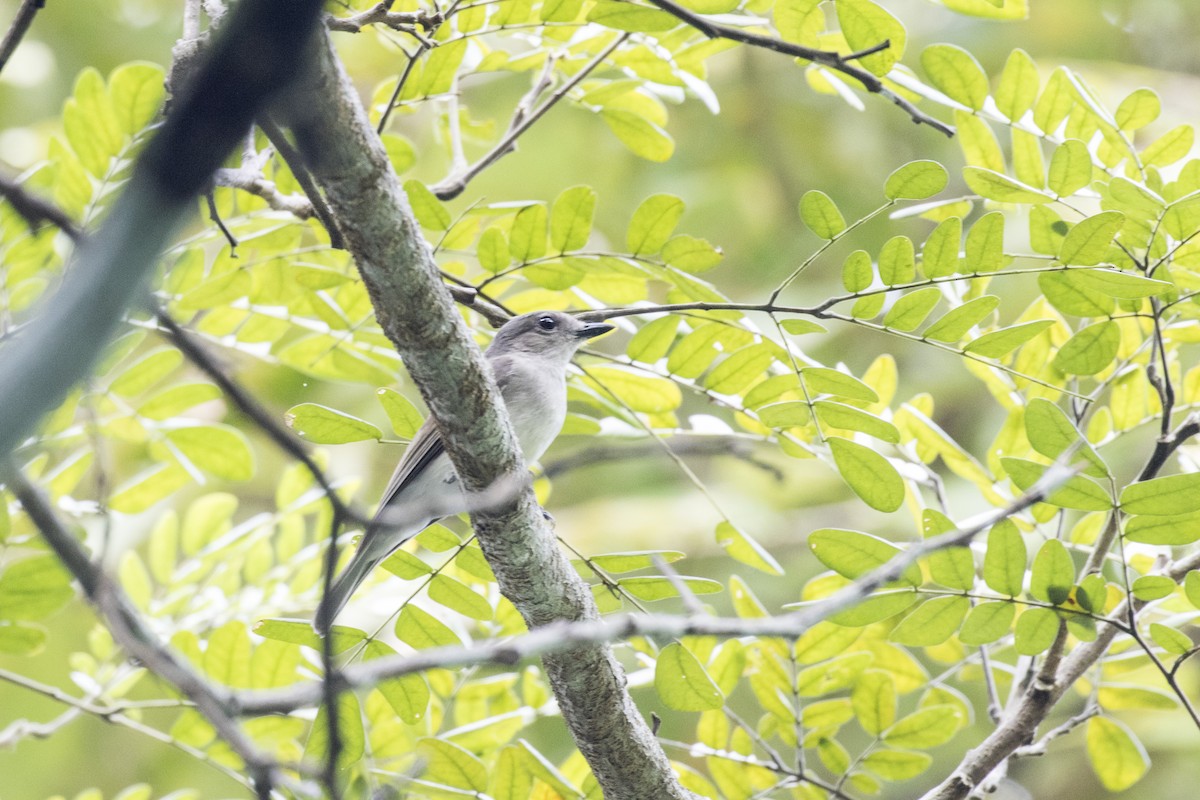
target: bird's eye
<point>547,323</point>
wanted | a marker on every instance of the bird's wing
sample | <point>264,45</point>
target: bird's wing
<point>425,446</point>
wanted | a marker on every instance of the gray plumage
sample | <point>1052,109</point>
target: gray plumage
<point>528,358</point>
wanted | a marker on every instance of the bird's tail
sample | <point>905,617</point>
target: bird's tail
<point>343,587</point>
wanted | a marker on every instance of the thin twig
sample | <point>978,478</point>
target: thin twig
<point>20,25</point>
<point>454,185</point>
<point>34,210</point>
<point>295,163</point>
<point>826,58</point>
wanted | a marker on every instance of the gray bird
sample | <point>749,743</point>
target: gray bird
<point>529,358</point>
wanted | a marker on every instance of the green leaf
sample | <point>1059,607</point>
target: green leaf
<point>1053,573</point>
<point>631,17</point>
<point>939,254</point>
<point>1117,757</point>
<point>896,765</point>
<point>746,549</point>
<point>916,180</point>
<point>875,608</point>
<point>421,630</point>
<point>823,380</point>
<point>874,700</point>
<point>821,214</point>
<point>1121,285</point>
<point>429,211</point>
<point>1138,110</point>
<point>992,185</point>
<point>925,728</point>
<point>406,420</point>
<point>136,90</point>
<point>799,327</point>
<point>984,249</point>
<point>443,61</point>
<point>1087,243</point>
<point>218,449</point>
<point>1035,631</point>
<point>1004,559</point>
<point>834,675</point>
<point>652,588</point>
<point>1089,350</point>
<point>527,237</point>
<point>653,340</point>
<point>1051,433</point>
<point>853,554</point>
<point>1191,587</point>
<point>932,623</point>
<point>618,563</point>
<point>794,413</point>
<point>571,218</point>
<point>34,588</point>
<point>865,25</point>
<point>21,638</point>
<point>955,324</point>
<point>1078,492</point>
<point>652,223</point>
<point>990,9</point>
<point>643,138</point>
<point>1174,494</point>
<point>950,566</point>
<point>999,343</point>
<point>457,596</point>
<point>649,394</point>
<point>351,735</point>
<point>295,631</point>
<point>405,565</point>
<point>737,371</point>
<point>987,623</point>
<point>147,488</point>
<point>1070,296</point>
<point>857,272</point>
<point>1170,639</point>
<point>1170,147</point>
<point>870,475</point>
<point>682,682</point>
<point>145,373</point>
<point>408,695</point>
<point>492,250</point>
<point>897,264</point>
<point>448,764</point>
<point>323,425</point>
<point>1153,587</point>
<point>691,254</point>
<point>1018,85</point>
<point>911,309</point>
<point>1070,168</point>
<point>839,415</point>
<point>175,400</point>
<point>956,73</point>
<point>1164,530</point>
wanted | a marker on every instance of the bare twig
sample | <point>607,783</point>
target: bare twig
<point>522,120</point>
<point>255,183</point>
<point>295,162</point>
<point>215,216</point>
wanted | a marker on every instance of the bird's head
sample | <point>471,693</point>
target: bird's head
<point>552,335</point>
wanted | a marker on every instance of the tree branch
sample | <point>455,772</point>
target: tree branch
<point>415,310</point>
<point>34,210</point>
<point>18,29</point>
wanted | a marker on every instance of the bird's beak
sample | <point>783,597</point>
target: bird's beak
<point>593,329</point>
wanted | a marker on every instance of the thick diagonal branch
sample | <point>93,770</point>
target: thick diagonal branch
<point>416,311</point>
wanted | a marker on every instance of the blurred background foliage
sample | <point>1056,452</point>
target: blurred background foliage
<point>742,175</point>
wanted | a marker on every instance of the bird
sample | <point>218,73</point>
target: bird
<point>528,357</point>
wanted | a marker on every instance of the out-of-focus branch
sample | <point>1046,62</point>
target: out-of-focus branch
<point>34,210</point>
<point>255,54</point>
